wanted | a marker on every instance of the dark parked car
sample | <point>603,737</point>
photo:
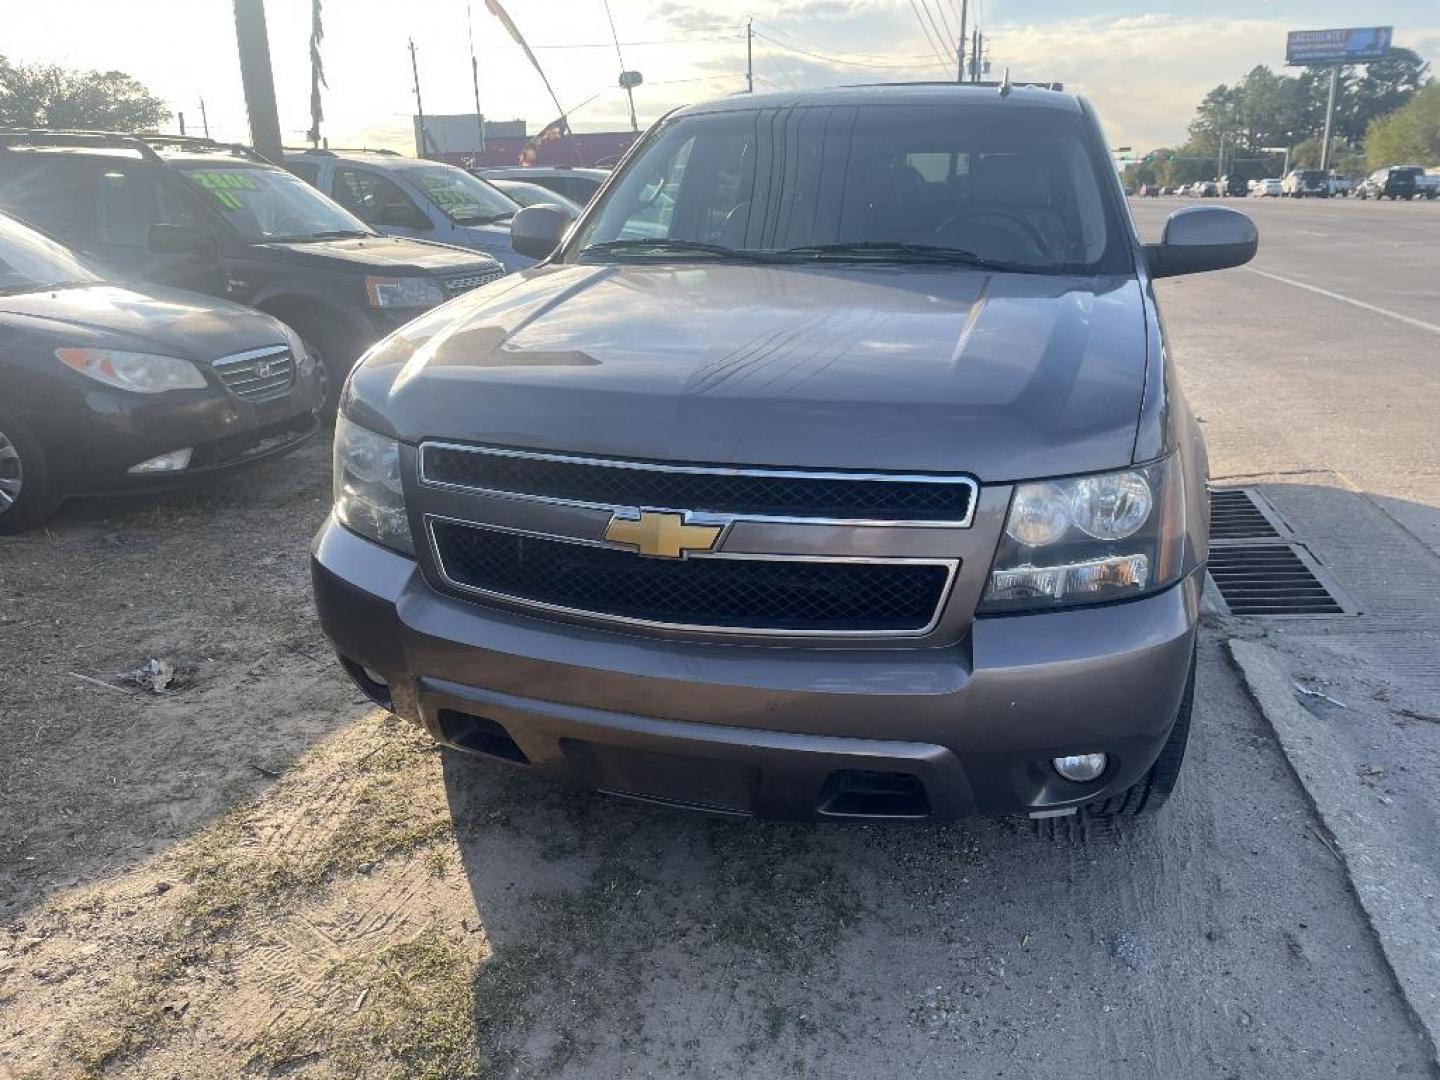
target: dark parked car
<point>854,482</point>
<point>528,194</point>
<point>106,388</point>
<point>221,220</point>
<point>577,183</point>
<point>1394,182</point>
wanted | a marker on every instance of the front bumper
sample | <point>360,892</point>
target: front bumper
<point>775,730</point>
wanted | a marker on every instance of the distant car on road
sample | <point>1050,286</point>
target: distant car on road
<point>1268,187</point>
<point>577,183</point>
<point>405,196</point>
<point>528,194</point>
<point>1207,189</point>
<point>1233,186</point>
<point>106,388</point>
<point>1392,182</point>
<point>1306,183</point>
<point>221,219</point>
<point>1341,185</point>
<point>1427,183</point>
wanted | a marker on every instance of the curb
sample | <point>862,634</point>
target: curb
<point>1390,882</point>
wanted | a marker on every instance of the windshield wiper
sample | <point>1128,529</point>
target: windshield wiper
<point>895,251</point>
<point>34,287</point>
<point>660,246</point>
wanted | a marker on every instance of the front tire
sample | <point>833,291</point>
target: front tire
<point>28,497</point>
<point>1150,792</point>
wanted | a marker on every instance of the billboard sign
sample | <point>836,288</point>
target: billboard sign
<point>1356,45</point>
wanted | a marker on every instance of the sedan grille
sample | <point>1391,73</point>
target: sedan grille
<point>465,282</point>
<point>743,492</point>
<point>775,595</point>
<point>259,374</point>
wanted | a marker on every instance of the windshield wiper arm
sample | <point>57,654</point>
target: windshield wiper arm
<point>895,251</point>
<point>332,234</point>
<point>686,247</point>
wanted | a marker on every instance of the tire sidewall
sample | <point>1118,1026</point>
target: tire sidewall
<point>38,498</point>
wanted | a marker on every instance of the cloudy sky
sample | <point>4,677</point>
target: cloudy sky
<point>1144,64</point>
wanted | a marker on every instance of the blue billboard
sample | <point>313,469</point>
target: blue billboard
<point>1356,45</point>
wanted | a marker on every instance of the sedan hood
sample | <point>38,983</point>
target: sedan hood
<point>389,254</point>
<point>167,321</point>
<point>1003,376</point>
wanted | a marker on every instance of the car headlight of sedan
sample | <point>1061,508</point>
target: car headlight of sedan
<point>369,495</point>
<point>403,292</point>
<point>1090,540</point>
<point>143,373</point>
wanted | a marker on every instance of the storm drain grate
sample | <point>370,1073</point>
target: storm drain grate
<point>1270,579</point>
<point>1236,514</point>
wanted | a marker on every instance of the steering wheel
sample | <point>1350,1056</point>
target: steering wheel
<point>1008,219</point>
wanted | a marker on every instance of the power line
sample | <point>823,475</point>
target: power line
<point>845,53</point>
<point>628,44</point>
<point>940,37</point>
<point>944,19</point>
<point>833,59</point>
<point>924,28</point>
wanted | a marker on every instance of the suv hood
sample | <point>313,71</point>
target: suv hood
<point>392,254</point>
<point>168,321</point>
<point>1003,376</point>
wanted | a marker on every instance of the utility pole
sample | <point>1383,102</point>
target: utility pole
<point>1329,118</point>
<point>419,105</point>
<point>749,57</point>
<point>975,57</point>
<point>960,46</point>
<point>182,124</point>
<point>259,83</point>
<point>204,119</point>
<point>474,85</point>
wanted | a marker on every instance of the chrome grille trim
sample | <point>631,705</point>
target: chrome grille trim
<point>951,567</point>
<point>258,374</point>
<point>715,470</point>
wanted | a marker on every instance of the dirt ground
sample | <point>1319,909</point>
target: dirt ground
<point>255,873</point>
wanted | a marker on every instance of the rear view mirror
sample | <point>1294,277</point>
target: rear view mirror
<point>536,231</point>
<point>181,240</point>
<point>1201,238</point>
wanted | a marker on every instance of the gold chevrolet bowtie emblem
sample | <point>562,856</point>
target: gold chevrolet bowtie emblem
<point>665,535</point>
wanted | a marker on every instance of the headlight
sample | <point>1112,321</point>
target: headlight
<point>369,498</point>
<point>1090,539</point>
<point>144,373</point>
<point>403,292</point>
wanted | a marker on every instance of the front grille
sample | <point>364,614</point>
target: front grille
<point>745,492</point>
<point>259,374</point>
<point>465,282</point>
<point>765,595</point>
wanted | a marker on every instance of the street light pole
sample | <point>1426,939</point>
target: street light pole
<point>1329,118</point>
<point>749,57</point>
<point>960,46</point>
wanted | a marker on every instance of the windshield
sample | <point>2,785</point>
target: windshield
<point>464,199</point>
<point>527,194</point>
<point>1013,187</point>
<point>270,204</point>
<point>30,261</point>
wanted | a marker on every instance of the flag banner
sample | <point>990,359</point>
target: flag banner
<point>551,132</point>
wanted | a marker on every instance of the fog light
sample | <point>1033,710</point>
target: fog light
<point>175,461</point>
<point>1081,768</point>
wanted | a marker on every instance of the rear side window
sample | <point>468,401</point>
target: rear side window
<point>53,193</point>
<point>306,170</point>
<point>94,201</point>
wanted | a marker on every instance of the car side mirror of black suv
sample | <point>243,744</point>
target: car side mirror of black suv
<point>181,240</point>
<point>1201,238</point>
<point>537,230</point>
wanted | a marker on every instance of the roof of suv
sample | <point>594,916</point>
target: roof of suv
<point>380,159</point>
<point>1019,96</point>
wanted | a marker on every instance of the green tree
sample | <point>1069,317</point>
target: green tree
<point>1382,87</point>
<point>1408,136</point>
<point>47,95</point>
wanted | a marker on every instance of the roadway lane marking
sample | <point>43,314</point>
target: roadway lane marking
<point>1417,323</point>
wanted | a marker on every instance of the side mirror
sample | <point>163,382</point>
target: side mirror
<point>181,240</point>
<point>1201,238</point>
<point>536,231</point>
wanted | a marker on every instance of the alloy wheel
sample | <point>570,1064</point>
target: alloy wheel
<point>11,473</point>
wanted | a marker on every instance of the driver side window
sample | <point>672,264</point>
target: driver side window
<point>376,200</point>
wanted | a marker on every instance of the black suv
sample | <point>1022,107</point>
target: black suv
<point>1394,182</point>
<point>221,219</point>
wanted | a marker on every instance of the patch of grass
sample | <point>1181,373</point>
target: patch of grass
<point>132,1020</point>
<point>416,1020</point>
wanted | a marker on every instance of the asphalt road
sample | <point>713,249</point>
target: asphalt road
<point>1322,354</point>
